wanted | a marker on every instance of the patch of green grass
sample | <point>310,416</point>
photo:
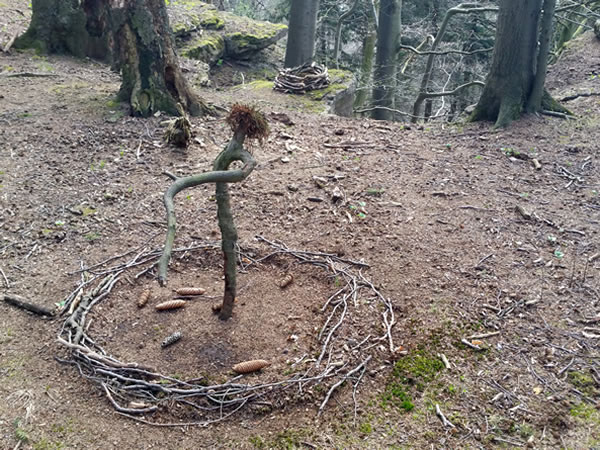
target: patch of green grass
<point>525,430</point>
<point>113,103</point>
<point>365,428</point>
<point>257,442</point>
<point>375,192</point>
<point>92,236</point>
<point>45,444</point>
<point>13,367</point>
<point>64,427</point>
<point>288,439</point>
<point>20,433</point>
<point>88,211</point>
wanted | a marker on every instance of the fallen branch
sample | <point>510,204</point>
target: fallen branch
<point>583,94</point>
<point>28,75</point>
<point>443,418</point>
<point>340,382</point>
<point>10,42</point>
<point>23,303</point>
<point>444,52</point>
<point>560,115</point>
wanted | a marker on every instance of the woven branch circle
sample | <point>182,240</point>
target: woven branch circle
<point>148,396</point>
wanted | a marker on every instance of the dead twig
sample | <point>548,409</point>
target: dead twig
<point>340,382</point>
<point>5,279</point>
<point>443,418</point>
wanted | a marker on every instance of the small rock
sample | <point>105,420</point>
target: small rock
<point>336,195</point>
<point>285,159</point>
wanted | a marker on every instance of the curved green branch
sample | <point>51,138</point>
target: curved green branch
<point>233,152</point>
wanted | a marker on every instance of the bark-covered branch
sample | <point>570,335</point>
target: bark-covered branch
<point>233,152</point>
<point>463,8</point>
<point>452,92</point>
<point>246,122</point>
<point>338,31</point>
<point>23,303</point>
<point>574,5</point>
<point>444,52</point>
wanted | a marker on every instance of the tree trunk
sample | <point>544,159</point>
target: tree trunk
<point>463,8</point>
<point>388,37</point>
<point>61,26</point>
<point>537,92</point>
<point>338,32</point>
<point>510,83</point>
<point>300,47</point>
<point>366,67</point>
<point>133,35</point>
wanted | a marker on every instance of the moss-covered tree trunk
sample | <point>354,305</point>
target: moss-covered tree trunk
<point>384,79</point>
<point>366,65</point>
<point>133,35</point>
<point>510,83</point>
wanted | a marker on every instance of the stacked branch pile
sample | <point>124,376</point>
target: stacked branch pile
<point>301,79</point>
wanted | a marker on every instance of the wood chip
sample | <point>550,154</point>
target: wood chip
<point>524,213</point>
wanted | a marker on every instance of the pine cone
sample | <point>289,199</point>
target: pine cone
<point>171,304</point>
<point>286,281</point>
<point>251,366</point>
<point>190,291</point>
<point>171,339</point>
<point>143,299</point>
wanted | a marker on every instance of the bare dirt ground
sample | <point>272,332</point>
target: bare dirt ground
<point>461,233</point>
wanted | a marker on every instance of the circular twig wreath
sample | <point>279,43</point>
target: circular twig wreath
<point>145,395</point>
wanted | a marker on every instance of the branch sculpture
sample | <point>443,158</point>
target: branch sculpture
<point>245,122</point>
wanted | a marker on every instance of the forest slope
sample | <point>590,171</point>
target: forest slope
<point>461,232</point>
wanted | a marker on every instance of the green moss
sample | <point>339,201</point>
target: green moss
<point>418,369</point>
<point>365,428</point>
<point>45,444</point>
<point>257,442</point>
<point>260,84</point>
<point>288,439</point>
<point>395,395</point>
<point>310,105</point>
<point>340,80</point>
<point>208,49</point>
<point>583,382</point>
<point>585,412</point>
<point>211,19</point>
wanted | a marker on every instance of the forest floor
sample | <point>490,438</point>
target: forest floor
<point>464,236</point>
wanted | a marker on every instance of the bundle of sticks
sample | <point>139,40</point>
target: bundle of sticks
<point>298,80</point>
